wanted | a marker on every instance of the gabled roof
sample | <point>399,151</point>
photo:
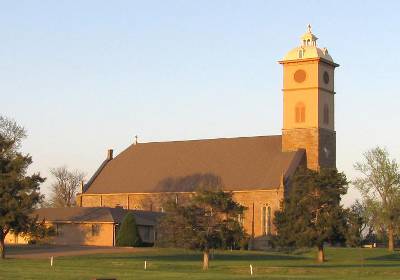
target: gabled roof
<point>94,215</point>
<point>245,163</point>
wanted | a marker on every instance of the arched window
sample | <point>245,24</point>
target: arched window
<point>300,53</point>
<point>266,220</point>
<point>300,112</point>
<point>326,114</point>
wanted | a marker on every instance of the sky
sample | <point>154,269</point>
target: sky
<point>86,76</point>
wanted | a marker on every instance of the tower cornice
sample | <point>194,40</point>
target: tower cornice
<point>306,60</point>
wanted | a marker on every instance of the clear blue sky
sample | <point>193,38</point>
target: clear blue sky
<point>85,76</point>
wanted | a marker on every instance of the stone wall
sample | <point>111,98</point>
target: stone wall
<point>155,201</point>
<point>327,148</point>
<point>320,145</point>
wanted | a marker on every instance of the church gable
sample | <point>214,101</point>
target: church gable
<point>245,163</point>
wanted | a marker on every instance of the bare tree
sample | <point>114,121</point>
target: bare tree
<point>380,187</point>
<point>11,132</point>
<point>65,186</point>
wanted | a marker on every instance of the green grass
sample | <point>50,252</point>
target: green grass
<point>343,263</point>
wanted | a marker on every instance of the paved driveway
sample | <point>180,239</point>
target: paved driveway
<point>46,251</point>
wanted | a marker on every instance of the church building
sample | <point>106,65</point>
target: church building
<point>256,169</point>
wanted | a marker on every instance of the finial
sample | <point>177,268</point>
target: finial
<point>309,28</point>
<point>82,186</point>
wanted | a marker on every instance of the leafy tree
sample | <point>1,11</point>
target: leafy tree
<point>19,193</point>
<point>311,213</point>
<point>65,186</point>
<point>207,221</point>
<point>356,223</point>
<point>380,188</point>
<point>128,233</point>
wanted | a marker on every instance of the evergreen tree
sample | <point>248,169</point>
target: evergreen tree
<point>311,213</point>
<point>19,193</point>
<point>356,223</point>
<point>128,233</point>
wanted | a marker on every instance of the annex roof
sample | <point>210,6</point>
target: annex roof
<point>94,215</point>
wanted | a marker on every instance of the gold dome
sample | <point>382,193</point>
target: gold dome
<point>308,48</point>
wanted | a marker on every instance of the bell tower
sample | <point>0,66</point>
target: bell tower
<point>308,102</point>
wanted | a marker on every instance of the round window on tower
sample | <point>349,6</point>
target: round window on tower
<point>300,76</point>
<point>326,77</point>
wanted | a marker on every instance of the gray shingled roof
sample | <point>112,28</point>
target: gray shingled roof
<point>244,163</point>
<point>95,214</point>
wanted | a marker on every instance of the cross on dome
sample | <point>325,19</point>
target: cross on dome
<point>309,39</point>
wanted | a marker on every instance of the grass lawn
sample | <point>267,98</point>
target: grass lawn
<point>343,263</point>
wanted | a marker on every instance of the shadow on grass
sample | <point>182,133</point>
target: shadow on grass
<point>330,266</point>
<point>388,257</point>
<point>196,256</point>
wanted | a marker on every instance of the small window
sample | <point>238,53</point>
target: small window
<point>146,233</point>
<point>59,229</point>
<point>300,53</point>
<point>95,229</point>
<point>300,113</point>
<point>326,114</point>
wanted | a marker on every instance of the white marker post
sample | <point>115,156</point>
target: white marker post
<point>51,261</point>
<point>145,265</point>
<point>251,270</point>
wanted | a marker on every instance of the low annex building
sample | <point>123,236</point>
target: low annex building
<point>256,169</point>
<point>90,225</point>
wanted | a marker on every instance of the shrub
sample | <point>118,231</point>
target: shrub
<point>128,233</point>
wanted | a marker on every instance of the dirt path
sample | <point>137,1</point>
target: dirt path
<point>46,251</point>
